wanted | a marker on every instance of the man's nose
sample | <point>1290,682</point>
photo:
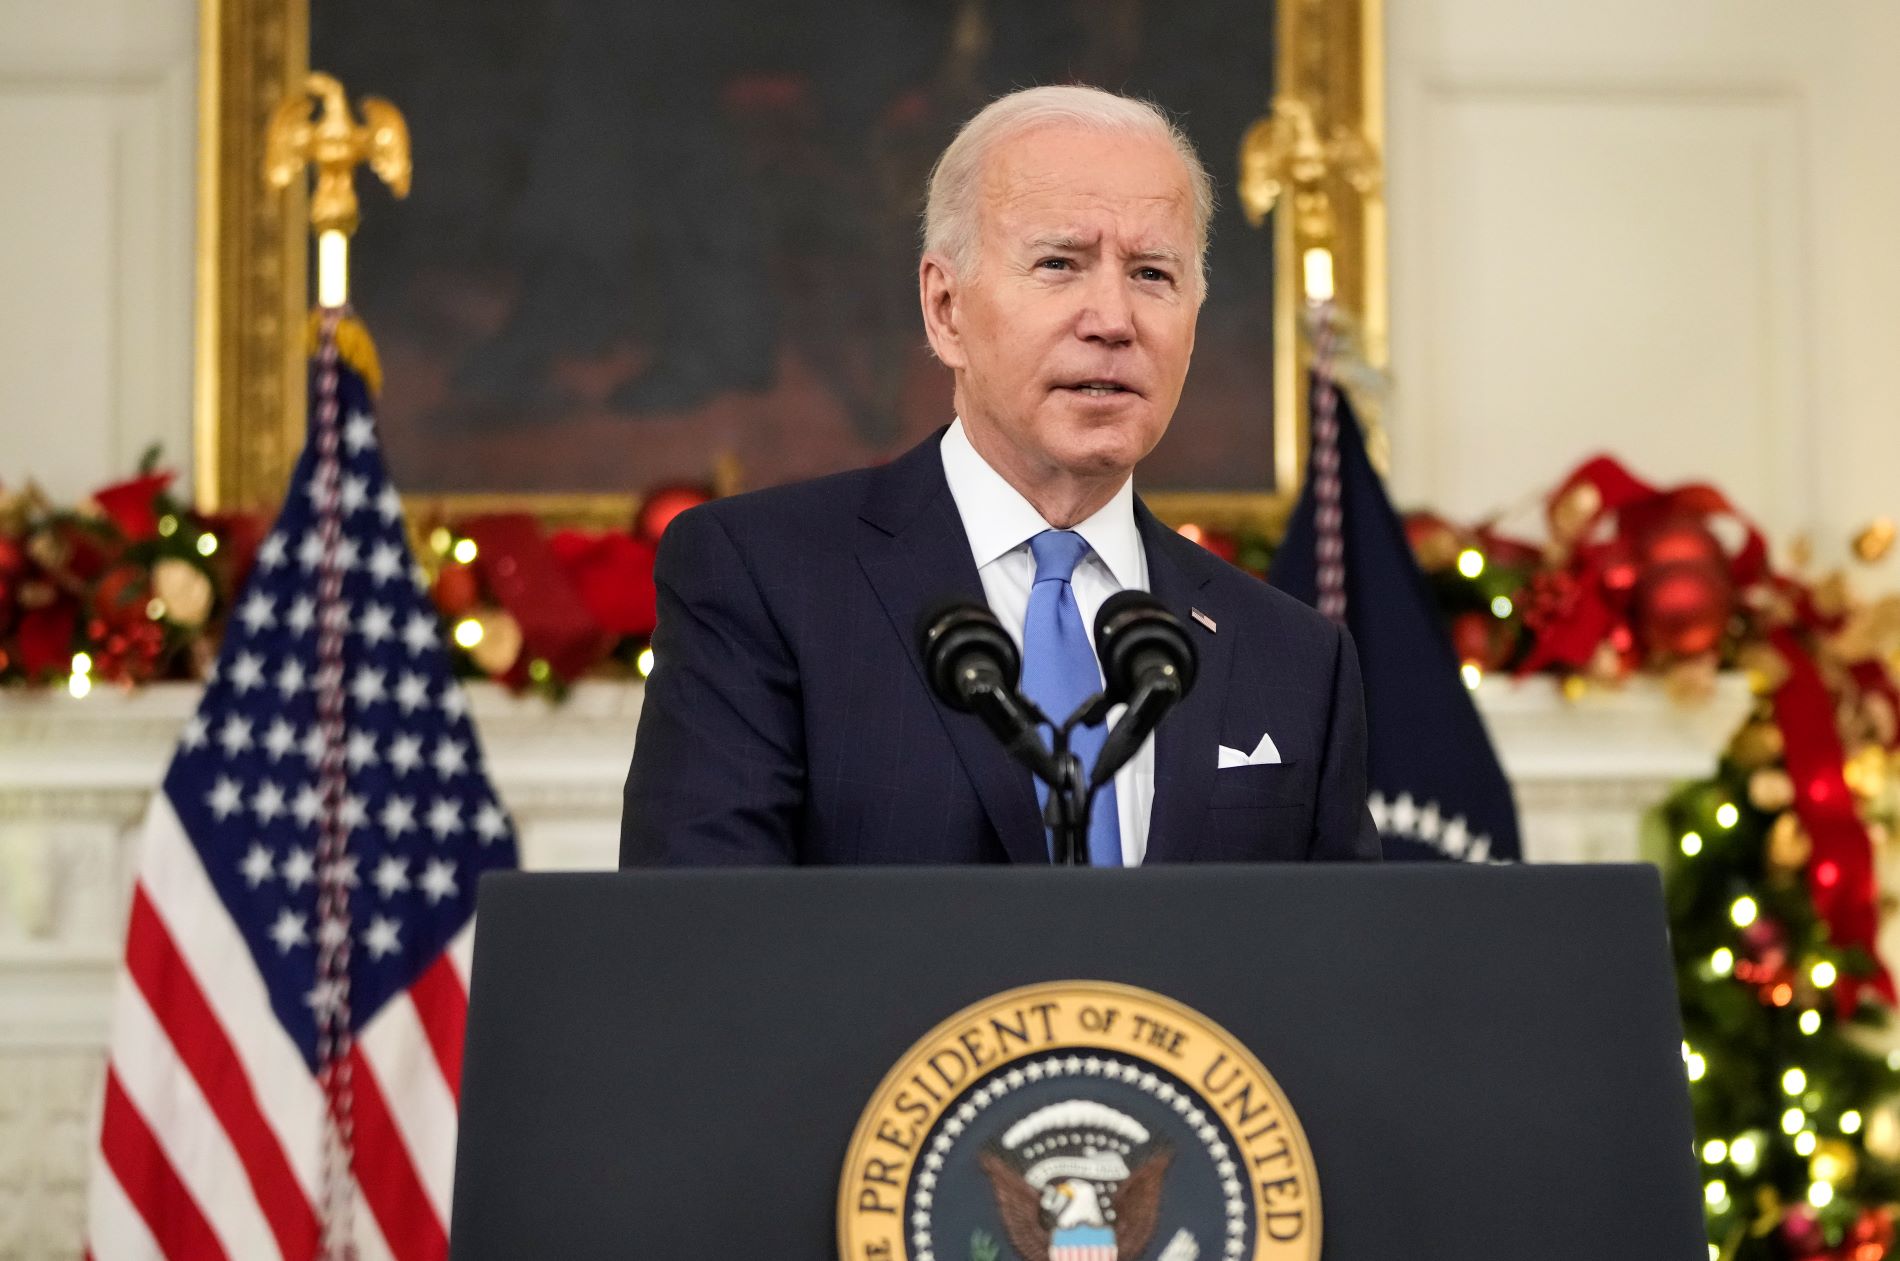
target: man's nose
<point>1107,314</point>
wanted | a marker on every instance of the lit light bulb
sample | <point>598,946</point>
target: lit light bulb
<point>1744,1152</point>
<point>80,685</point>
<point>1722,961</point>
<point>645,661</point>
<point>1727,815</point>
<point>167,525</point>
<point>1715,1192</point>
<point>1821,1194</point>
<point>1850,1122</point>
<point>1471,562</point>
<point>464,551</point>
<point>1473,675</point>
<point>1501,606</point>
<point>1794,1081</point>
<point>468,632</point>
<point>1691,843</point>
<point>1893,1061</point>
<point>1810,1021</point>
<point>1698,1067</point>
<point>82,663</point>
<point>1743,912</point>
<point>1823,974</point>
<point>1804,1143</point>
<point>441,540</point>
<point>1714,1152</point>
<point>1792,1121</point>
<point>207,544</point>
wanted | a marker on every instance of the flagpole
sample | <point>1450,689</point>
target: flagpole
<point>335,144</point>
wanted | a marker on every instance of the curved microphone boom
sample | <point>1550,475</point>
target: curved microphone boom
<point>973,665</point>
<point>1148,663</point>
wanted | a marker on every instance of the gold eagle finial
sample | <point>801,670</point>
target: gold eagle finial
<point>1285,156</point>
<point>335,144</point>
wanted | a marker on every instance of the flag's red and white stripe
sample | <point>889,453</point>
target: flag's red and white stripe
<point>212,1135</point>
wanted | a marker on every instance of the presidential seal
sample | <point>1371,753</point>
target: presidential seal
<point>1078,1121</point>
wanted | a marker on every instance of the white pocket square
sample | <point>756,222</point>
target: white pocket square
<point>1266,753</point>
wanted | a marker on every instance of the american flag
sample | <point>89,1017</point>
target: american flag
<point>287,1031</point>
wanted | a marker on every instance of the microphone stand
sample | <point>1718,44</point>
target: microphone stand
<point>1071,795</point>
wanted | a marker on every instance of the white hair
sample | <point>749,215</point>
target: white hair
<point>956,181</point>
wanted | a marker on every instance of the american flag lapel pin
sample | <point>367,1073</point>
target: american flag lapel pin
<point>1203,619</point>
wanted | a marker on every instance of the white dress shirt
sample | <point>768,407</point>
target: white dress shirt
<point>999,523</point>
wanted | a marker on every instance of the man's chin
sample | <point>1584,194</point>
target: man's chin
<point>1103,450</point>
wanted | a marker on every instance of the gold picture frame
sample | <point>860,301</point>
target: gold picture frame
<point>253,282</point>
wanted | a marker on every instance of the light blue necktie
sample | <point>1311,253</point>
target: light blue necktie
<point>1059,673</point>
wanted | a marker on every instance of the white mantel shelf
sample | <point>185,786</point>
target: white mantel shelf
<point>75,777</point>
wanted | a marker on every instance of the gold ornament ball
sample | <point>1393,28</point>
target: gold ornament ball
<point>184,589</point>
<point>1881,1138</point>
<point>1866,772</point>
<point>1757,744</point>
<point>1788,844</point>
<point>1874,542</point>
<point>1770,789</point>
<point>500,643</point>
<point>1834,1162</point>
<point>1767,669</point>
<point>1573,512</point>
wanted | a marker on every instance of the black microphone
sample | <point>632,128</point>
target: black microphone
<point>1148,663</point>
<point>973,666</point>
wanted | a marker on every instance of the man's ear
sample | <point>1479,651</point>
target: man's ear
<point>938,290</point>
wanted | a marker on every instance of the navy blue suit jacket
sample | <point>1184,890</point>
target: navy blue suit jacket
<point>787,719</point>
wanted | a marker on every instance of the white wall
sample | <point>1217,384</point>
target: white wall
<point>1662,230</point>
<point>97,119</point>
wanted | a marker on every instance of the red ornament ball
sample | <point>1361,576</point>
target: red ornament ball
<point>660,505</point>
<point>1480,638</point>
<point>456,589</point>
<point>1680,607</point>
<point>1801,1232</point>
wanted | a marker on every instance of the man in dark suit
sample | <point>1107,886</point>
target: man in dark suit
<point>787,719</point>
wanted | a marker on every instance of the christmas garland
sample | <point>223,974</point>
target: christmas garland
<point>1772,896</point>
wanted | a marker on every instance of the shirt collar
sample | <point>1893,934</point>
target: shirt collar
<point>998,520</point>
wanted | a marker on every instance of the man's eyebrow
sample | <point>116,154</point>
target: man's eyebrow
<point>1063,241</point>
<point>1159,254</point>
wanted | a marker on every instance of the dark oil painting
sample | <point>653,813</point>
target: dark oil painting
<point>647,232</point>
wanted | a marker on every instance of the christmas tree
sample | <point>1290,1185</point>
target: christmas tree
<point>1772,908</point>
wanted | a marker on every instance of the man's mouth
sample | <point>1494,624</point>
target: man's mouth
<point>1098,388</point>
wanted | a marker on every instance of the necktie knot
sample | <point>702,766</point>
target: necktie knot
<point>1057,554</point>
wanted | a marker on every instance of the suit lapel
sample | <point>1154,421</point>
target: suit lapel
<point>917,557</point>
<point>1185,743</point>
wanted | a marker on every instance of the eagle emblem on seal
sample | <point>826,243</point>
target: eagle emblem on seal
<point>1078,1181</point>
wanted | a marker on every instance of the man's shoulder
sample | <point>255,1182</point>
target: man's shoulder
<point>817,505</point>
<point>825,509</point>
<point>1271,607</point>
<point>1252,600</point>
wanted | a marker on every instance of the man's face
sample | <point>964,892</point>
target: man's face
<point>1072,339</point>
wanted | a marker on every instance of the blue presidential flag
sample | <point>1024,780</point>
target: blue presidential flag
<point>1437,790</point>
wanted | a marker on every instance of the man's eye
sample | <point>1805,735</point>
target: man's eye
<point>1153,273</point>
<point>1055,264</point>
